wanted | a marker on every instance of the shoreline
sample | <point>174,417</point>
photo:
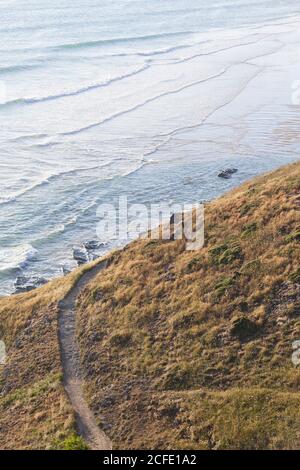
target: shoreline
<point>91,263</point>
<point>246,171</point>
<point>213,117</point>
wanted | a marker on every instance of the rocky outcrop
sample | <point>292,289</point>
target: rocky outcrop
<point>27,284</point>
<point>80,255</point>
<point>88,251</point>
<point>227,173</point>
<point>93,245</point>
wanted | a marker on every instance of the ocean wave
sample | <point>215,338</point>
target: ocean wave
<point>54,232</point>
<point>142,104</point>
<point>17,68</point>
<point>45,181</point>
<point>218,50</point>
<point>166,93</point>
<point>108,41</point>
<point>68,93</point>
<point>29,137</point>
<point>155,52</point>
<point>4,200</point>
<point>16,257</point>
<point>65,225</point>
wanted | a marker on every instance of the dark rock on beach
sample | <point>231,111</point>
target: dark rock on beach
<point>87,252</point>
<point>226,174</point>
<point>80,255</point>
<point>27,284</point>
<point>93,245</point>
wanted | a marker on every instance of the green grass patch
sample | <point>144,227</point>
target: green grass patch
<point>72,442</point>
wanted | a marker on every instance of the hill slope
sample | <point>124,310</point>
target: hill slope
<point>179,349</point>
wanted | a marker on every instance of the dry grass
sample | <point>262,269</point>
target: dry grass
<point>37,416</point>
<point>162,320</point>
<point>206,419</point>
<point>34,410</point>
<point>17,311</point>
<point>181,349</point>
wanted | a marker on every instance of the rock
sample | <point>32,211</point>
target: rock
<point>93,245</point>
<point>40,281</point>
<point>80,255</point>
<point>65,270</point>
<point>94,257</point>
<point>27,284</point>
<point>21,281</point>
<point>83,254</point>
<point>22,290</point>
<point>226,174</point>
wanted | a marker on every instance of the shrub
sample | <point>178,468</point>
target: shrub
<point>183,319</point>
<point>249,229</point>
<point>217,250</point>
<point>251,267</point>
<point>294,236</point>
<point>225,254</point>
<point>194,265</point>
<point>178,378</point>
<point>242,327</point>
<point>247,208</point>
<point>121,339</point>
<point>293,309</point>
<point>231,254</point>
<point>73,442</point>
<point>295,276</point>
<point>223,285</point>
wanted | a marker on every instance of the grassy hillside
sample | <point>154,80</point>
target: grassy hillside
<point>34,410</point>
<point>180,349</point>
<point>193,349</point>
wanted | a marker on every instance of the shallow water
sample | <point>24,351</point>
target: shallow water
<point>137,98</point>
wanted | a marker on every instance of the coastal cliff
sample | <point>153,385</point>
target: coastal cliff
<point>178,349</point>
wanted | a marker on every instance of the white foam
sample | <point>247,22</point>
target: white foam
<point>15,257</point>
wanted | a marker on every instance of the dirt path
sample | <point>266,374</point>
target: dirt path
<point>73,383</point>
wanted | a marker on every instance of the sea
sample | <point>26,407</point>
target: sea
<point>145,99</point>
